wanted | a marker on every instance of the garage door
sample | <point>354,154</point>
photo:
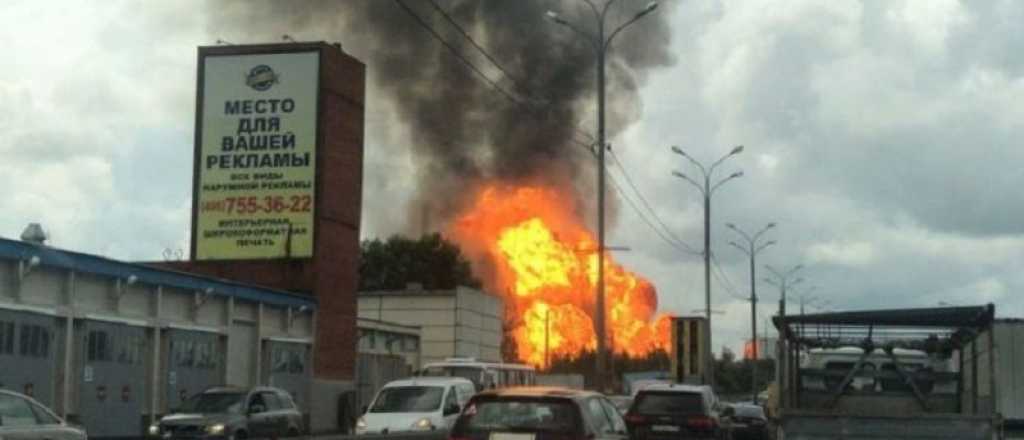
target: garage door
<point>28,345</point>
<point>289,370</point>
<point>193,364</point>
<point>241,354</point>
<point>112,391</point>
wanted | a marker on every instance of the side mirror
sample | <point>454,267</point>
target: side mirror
<point>365,409</point>
<point>452,409</point>
<point>256,409</point>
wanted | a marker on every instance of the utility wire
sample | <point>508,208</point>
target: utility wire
<point>514,79</point>
<point>658,232</point>
<point>653,213</point>
<point>724,279</point>
<point>455,52</point>
<point>462,31</point>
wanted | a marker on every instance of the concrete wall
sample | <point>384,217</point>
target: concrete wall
<point>454,323</point>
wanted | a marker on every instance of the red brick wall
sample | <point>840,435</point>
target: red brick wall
<point>332,274</point>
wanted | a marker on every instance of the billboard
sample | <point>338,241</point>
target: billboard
<point>256,143</point>
<point>688,351</point>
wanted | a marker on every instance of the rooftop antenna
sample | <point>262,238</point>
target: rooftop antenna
<point>288,38</point>
<point>223,42</point>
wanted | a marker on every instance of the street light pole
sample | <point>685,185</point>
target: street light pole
<point>707,189</point>
<point>601,45</point>
<point>751,250</point>
<point>782,281</point>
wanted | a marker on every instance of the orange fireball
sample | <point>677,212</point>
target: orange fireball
<point>534,250</point>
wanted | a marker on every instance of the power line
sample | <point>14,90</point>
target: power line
<point>643,200</point>
<point>455,52</point>
<point>472,41</point>
<point>724,279</point>
<point>658,232</point>
<point>515,80</point>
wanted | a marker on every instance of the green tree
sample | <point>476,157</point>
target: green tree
<point>431,261</point>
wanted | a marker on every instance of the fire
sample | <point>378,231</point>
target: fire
<point>543,262</point>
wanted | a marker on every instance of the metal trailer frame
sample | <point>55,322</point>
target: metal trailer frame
<point>939,332</point>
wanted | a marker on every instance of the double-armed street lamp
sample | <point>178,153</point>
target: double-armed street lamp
<point>783,280</point>
<point>600,43</point>
<point>706,188</point>
<point>751,247</point>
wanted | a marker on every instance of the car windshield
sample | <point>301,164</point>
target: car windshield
<point>651,402</point>
<point>749,411</point>
<point>408,399</point>
<point>213,403</point>
<point>519,414</point>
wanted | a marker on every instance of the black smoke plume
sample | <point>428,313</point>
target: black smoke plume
<point>461,128</point>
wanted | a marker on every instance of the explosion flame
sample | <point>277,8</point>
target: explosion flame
<point>543,262</point>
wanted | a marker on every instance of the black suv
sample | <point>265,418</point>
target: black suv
<point>539,413</point>
<point>232,413</point>
<point>675,411</point>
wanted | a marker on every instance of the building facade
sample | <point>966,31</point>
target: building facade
<point>114,345</point>
<point>461,322</point>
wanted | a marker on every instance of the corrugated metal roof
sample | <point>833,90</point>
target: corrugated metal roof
<point>101,266</point>
<point>944,317</point>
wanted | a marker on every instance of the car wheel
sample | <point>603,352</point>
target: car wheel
<point>292,432</point>
<point>239,435</point>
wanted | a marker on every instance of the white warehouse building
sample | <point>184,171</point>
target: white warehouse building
<point>113,344</point>
<point>460,322</point>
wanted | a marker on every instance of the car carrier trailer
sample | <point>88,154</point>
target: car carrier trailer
<point>913,374</point>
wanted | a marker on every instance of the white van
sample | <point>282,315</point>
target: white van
<point>416,404</point>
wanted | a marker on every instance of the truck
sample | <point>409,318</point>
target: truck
<point>888,374</point>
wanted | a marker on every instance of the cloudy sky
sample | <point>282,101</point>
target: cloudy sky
<point>879,136</point>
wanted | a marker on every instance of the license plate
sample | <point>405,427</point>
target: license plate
<point>665,428</point>
<point>510,436</point>
<point>739,425</point>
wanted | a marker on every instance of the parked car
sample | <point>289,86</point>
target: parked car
<point>539,413</point>
<point>23,418</point>
<point>675,411</point>
<point>416,404</point>
<point>232,413</point>
<point>745,421</point>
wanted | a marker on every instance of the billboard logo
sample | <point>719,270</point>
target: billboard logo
<point>261,77</point>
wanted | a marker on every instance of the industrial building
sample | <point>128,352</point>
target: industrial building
<point>460,322</point>
<point>112,344</point>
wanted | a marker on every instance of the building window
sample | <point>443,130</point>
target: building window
<point>98,346</point>
<point>289,360</point>
<point>129,350</point>
<point>411,343</point>
<point>35,341</point>
<point>6,337</point>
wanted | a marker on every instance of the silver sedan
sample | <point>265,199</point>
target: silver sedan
<point>22,418</point>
